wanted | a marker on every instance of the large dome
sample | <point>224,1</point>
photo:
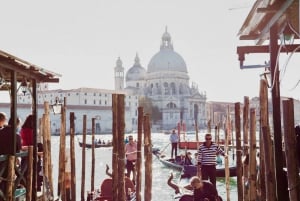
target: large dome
<point>136,72</point>
<point>166,59</point>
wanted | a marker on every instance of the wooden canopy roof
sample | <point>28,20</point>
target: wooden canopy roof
<point>266,13</point>
<point>24,70</point>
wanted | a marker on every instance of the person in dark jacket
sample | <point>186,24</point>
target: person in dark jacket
<point>7,146</point>
<point>203,190</point>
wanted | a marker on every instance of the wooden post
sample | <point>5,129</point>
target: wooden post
<point>246,146</point>
<point>121,147</point>
<point>227,134</point>
<point>43,129</point>
<point>148,159</point>
<point>115,156</point>
<point>209,126</point>
<point>47,160</point>
<point>261,189</point>
<point>10,178</point>
<point>72,149</point>
<point>93,156</point>
<point>67,173</point>
<point>266,145</point>
<point>83,158</point>
<point>29,174</point>
<point>62,148</point>
<point>239,164</point>
<point>281,184</point>
<point>252,156</point>
<point>139,154</point>
<point>290,150</point>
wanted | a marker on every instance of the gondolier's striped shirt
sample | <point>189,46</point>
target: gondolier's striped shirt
<point>207,155</point>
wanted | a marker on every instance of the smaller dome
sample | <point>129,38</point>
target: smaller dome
<point>136,72</point>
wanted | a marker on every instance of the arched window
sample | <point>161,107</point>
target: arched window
<point>173,88</point>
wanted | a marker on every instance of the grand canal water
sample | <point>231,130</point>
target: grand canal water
<point>103,156</point>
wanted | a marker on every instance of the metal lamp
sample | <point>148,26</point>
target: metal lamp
<point>56,107</point>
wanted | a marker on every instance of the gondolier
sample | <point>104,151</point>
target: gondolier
<point>131,156</point>
<point>174,141</point>
<point>207,153</point>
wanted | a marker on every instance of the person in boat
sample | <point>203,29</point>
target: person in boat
<point>174,142</point>
<point>207,153</point>
<point>131,156</point>
<point>203,190</point>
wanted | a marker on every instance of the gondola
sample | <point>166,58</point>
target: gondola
<point>186,167</point>
<point>175,164</point>
<point>97,145</point>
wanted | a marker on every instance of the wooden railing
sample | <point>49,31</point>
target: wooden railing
<point>15,174</point>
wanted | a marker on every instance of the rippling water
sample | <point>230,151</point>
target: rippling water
<point>103,156</point>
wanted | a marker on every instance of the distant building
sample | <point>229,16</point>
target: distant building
<point>94,103</point>
<point>165,83</point>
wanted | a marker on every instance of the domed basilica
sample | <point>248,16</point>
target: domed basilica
<point>166,83</point>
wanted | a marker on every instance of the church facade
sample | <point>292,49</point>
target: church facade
<point>166,84</point>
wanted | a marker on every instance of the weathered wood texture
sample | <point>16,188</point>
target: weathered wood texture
<point>62,148</point>
<point>290,142</point>
<point>246,145</point>
<point>115,147</point>
<point>139,154</point>
<point>239,164</point>
<point>121,148</point>
<point>261,189</point>
<point>29,174</point>
<point>227,138</point>
<point>266,146</point>
<point>10,178</point>
<point>72,149</point>
<point>148,159</point>
<point>83,158</point>
<point>93,156</point>
<point>252,156</point>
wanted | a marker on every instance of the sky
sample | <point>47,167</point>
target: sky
<point>81,40</point>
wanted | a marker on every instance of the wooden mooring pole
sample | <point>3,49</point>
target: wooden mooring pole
<point>290,150</point>
<point>266,146</point>
<point>93,156</point>
<point>72,150</point>
<point>148,159</point>
<point>252,156</point>
<point>139,154</point>
<point>83,158</point>
<point>62,148</point>
<point>115,147</point>
<point>121,147</point>
<point>239,164</point>
<point>227,137</point>
<point>246,148</point>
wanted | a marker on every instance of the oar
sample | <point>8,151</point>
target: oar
<point>165,148</point>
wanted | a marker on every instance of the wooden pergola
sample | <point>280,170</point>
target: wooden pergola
<point>15,72</point>
<point>270,20</point>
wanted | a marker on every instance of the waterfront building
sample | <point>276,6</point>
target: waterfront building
<point>165,83</point>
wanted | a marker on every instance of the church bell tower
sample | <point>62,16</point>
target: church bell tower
<point>119,75</point>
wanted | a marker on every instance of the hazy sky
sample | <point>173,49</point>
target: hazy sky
<point>81,40</point>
